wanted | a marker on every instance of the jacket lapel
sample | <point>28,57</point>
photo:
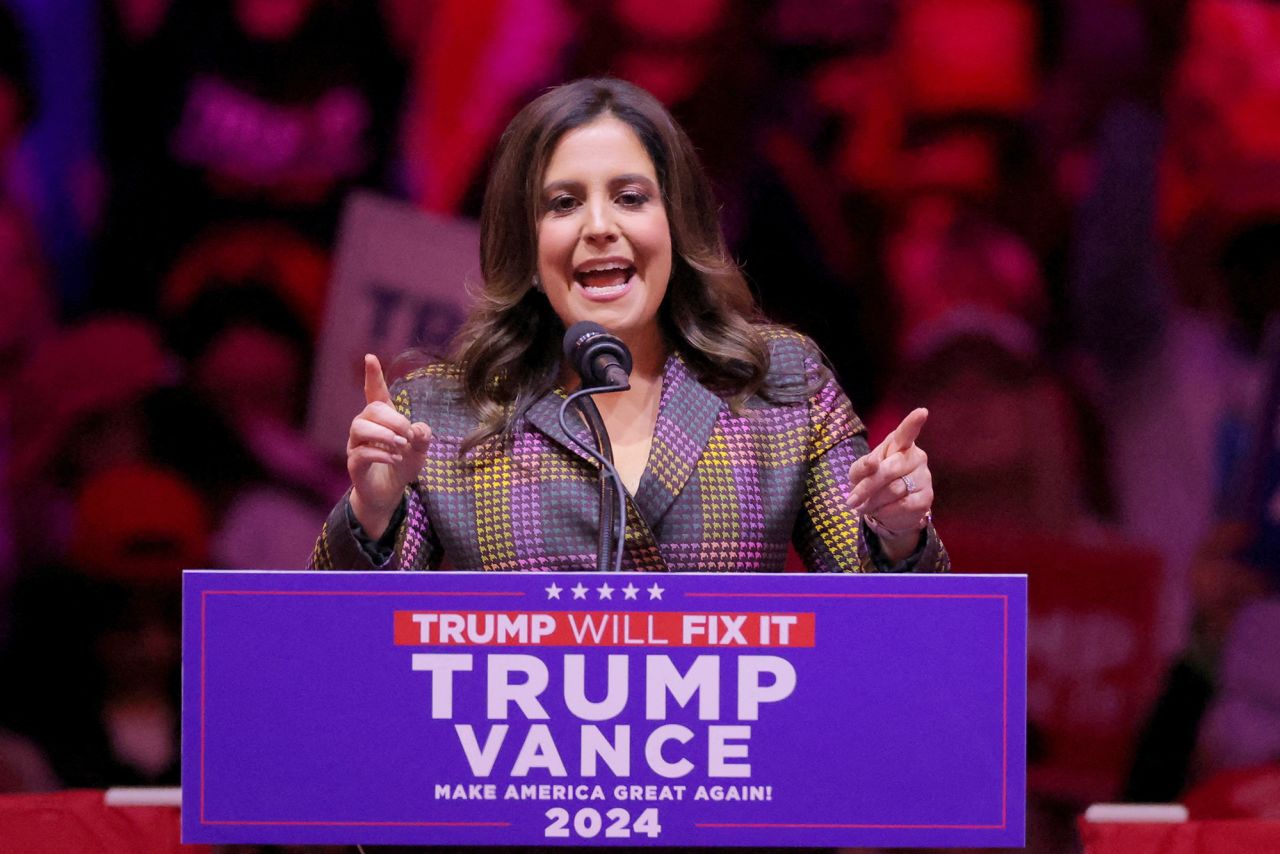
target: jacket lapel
<point>544,415</point>
<point>687,414</point>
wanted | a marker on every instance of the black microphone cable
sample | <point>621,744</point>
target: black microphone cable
<point>603,363</point>
<point>607,470</point>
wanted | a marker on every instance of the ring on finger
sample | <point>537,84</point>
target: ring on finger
<point>909,484</point>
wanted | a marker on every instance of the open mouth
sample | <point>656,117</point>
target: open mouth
<point>605,281</point>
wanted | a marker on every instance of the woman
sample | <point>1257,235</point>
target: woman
<point>733,438</point>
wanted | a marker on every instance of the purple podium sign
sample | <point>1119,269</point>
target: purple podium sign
<point>622,709</point>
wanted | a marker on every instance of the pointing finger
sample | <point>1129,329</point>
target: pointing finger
<point>375,384</point>
<point>906,433</point>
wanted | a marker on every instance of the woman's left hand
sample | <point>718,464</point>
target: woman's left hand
<point>892,490</point>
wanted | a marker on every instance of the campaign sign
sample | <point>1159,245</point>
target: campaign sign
<point>460,708</point>
<point>400,280</point>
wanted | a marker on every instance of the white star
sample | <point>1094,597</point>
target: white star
<point>630,591</point>
<point>553,592</point>
<point>655,592</point>
<point>605,591</point>
<point>579,592</point>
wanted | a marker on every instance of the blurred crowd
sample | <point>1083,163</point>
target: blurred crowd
<point>1054,223</point>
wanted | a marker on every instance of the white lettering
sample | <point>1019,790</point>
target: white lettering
<point>653,750</point>
<point>703,679</point>
<point>616,754</point>
<point>719,751</point>
<point>751,693</point>
<point>538,751</point>
<point>441,667</point>
<point>575,689</point>
<point>481,759</point>
<point>525,695</point>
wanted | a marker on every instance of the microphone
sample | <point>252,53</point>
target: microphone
<point>600,358</point>
<point>604,364</point>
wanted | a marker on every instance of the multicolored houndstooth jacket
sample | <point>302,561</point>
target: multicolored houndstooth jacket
<point>721,491</point>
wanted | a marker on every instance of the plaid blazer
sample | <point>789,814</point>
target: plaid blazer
<point>720,492</point>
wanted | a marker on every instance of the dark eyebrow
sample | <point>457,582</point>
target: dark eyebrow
<point>628,178</point>
<point>556,186</point>
<point>633,178</point>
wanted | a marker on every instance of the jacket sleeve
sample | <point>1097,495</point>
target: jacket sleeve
<point>828,535</point>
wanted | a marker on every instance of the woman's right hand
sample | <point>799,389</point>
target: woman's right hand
<point>384,453</point>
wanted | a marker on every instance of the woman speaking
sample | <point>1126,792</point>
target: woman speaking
<point>732,440</point>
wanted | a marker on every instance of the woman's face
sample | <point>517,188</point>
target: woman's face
<point>604,246</point>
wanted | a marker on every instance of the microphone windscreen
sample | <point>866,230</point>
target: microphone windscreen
<point>591,349</point>
<point>577,336</point>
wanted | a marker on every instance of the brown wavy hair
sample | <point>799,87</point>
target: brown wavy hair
<point>509,350</point>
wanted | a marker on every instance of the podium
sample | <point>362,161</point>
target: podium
<point>459,708</point>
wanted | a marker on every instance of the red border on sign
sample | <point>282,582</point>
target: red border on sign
<point>1004,717</point>
<point>204,594</point>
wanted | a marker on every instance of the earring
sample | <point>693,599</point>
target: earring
<point>537,282</point>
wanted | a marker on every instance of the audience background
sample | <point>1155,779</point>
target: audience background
<point>1055,223</point>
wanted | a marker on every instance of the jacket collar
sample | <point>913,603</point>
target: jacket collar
<point>544,414</point>
<point>687,412</point>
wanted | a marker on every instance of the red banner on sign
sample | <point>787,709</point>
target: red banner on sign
<point>603,628</point>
